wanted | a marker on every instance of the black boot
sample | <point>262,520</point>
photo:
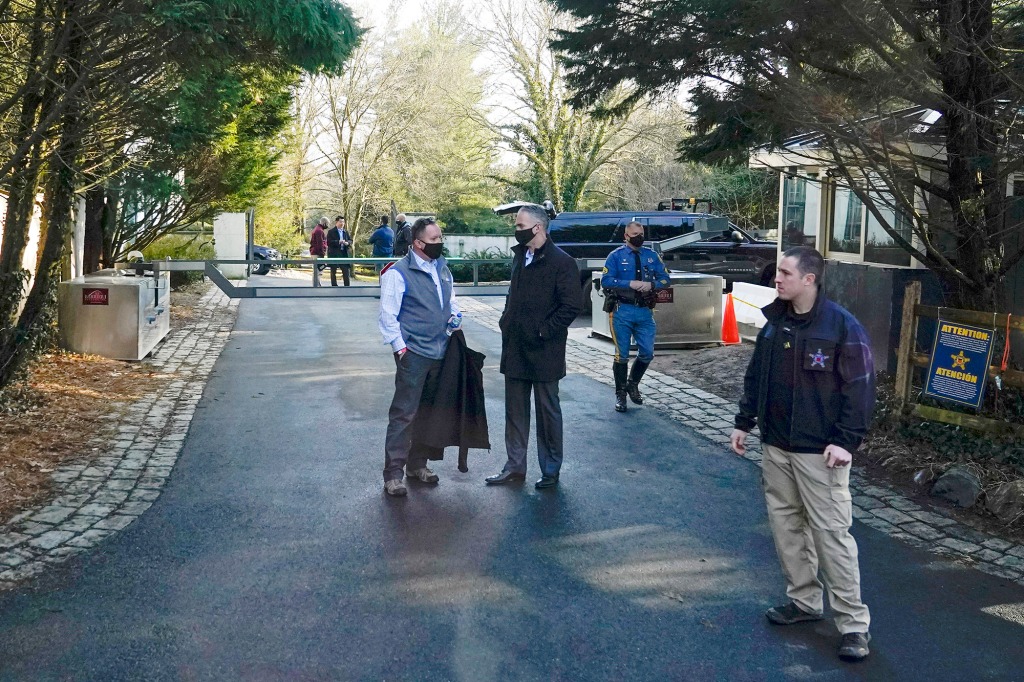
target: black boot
<point>633,384</point>
<point>619,372</point>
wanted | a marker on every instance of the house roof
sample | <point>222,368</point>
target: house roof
<point>921,128</point>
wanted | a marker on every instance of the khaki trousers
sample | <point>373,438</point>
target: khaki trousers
<point>810,512</point>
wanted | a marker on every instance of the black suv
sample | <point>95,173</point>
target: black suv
<point>264,253</point>
<point>720,249</point>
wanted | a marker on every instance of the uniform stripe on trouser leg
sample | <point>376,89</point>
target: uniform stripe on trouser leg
<point>615,341</point>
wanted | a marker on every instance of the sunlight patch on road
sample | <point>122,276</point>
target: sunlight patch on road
<point>1011,612</point>
<point>446,590</point>
<point>652,566</point>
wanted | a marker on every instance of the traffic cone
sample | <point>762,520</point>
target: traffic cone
<point>730,331</point>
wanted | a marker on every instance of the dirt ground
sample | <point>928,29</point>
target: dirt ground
<point>66,401</point>
<point>717,370</point>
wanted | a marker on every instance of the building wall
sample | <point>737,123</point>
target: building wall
<point>491,244</point>
<point>874,294</point>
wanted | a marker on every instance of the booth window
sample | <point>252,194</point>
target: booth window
<point>880,247</point>
<point>855,231</point>
<point>799,211</point>
<point>847,218</point>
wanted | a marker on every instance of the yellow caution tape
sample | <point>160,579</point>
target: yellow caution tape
<point>742,301</point>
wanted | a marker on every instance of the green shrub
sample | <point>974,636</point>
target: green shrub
<point>489,272</point>
<point>181,247</point>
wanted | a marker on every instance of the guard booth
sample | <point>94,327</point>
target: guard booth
<point>689,312</point>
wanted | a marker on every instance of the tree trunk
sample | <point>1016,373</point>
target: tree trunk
<point>19,342</point>
<point>972,154</point>
<point>22,185</point>
<point>95,200</point>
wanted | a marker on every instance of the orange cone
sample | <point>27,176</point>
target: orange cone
<point>730,330</point>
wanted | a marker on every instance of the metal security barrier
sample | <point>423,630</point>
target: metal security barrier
<point>362,290</point>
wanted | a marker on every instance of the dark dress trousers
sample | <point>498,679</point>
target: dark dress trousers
<point>544,298</point>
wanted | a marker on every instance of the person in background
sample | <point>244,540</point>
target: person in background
<point>403,235</point>
<point>632,273</point>
<point>810,387</point>
<point>318,247</point>
<point>338,242</point>
<point>382,240</point>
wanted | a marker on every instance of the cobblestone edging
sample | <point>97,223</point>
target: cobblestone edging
<point>104,494</point>
<point>879,507</point>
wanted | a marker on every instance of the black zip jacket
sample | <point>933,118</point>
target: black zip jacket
<point>833,382</point>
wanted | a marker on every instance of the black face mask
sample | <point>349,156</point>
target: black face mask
<point>433,251</point>
<point>636,240</point>
<point>524,236</point>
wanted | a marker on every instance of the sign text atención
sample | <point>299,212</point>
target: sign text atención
<point>959,363</point>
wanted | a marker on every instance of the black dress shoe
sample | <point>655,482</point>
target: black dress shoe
<point>546,482</point>
<point>504,477</point>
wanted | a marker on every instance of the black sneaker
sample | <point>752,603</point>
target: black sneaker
<point>854,646</point>
<point>790,614</point>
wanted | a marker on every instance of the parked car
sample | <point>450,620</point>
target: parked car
<point>721,249</point>
<point>267,254</point>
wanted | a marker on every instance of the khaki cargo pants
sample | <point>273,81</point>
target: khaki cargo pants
<point>810,511</point>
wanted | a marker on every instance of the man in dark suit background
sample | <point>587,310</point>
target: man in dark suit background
<point>338,242</point>
<point>544,297</point>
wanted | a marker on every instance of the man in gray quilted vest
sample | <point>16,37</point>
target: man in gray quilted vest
<point>416,307</point>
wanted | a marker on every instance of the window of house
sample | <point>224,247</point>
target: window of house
<point>800,200</point>
<point>880,247</point>
<point>855,231</point>
<point>847,218</point>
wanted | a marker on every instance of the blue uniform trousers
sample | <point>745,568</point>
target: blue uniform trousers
<point>630,322</point>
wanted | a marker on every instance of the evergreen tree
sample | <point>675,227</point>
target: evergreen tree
<point>761,71</point>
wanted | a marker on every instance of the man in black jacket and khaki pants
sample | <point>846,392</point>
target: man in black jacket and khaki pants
<point>544,297</point>
<point>810,387</point>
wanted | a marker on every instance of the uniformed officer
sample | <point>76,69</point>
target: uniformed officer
<point>632,273</point>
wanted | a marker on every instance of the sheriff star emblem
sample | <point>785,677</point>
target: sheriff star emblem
<point>960,360</point>
<point>818,359</point>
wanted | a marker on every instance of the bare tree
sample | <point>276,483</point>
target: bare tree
<point>531,115</point>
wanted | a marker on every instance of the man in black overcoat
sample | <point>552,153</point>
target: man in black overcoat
<point>544,297</point>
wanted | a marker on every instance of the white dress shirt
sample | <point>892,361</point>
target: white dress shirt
<point>392,291</point>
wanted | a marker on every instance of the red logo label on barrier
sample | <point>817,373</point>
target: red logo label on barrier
<point>95,297</point>
<point>663,296</point>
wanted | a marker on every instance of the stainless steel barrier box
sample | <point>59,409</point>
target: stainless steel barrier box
<point>688,312</point>
<point>116,316</point>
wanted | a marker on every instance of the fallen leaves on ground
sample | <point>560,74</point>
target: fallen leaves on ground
<point>67,400</point>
